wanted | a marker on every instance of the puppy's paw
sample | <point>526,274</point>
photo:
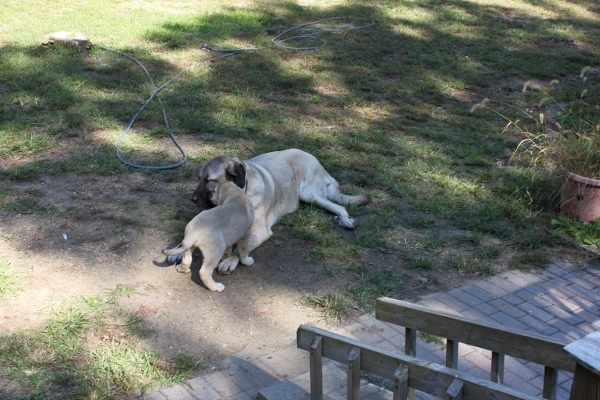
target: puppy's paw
<point>248,261</point>
<point>182,269</point>
<point>348,223</point>
<point>228,265</point>
<point>218,287</point>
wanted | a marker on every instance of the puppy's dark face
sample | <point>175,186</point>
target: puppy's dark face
<point>218,170</point>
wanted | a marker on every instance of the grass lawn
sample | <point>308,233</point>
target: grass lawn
<point>386,109</point>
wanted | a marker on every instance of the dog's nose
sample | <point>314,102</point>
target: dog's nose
<point>194,198</point>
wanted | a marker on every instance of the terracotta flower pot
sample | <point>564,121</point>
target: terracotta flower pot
<point>580,196</point>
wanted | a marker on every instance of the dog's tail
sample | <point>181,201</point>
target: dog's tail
<point>176,250</point>
<point>334,194</point>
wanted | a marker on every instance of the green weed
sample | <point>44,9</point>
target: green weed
<point>332,306</point>
<point>122,290</point>
<point>420,262</point>
<point>375,283</point>
<point>429,338</point>
<point>529,261</point>
<point>9,285</point>
<point>468,263</point>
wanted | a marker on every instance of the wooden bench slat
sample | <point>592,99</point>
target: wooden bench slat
<point>451,354</point>
<point>498,338</point>
<point>401,383</point>
<point>353,392</point>
<point>455,391</point>
<point>550,383</point>
<point>315,347</point>
<point>497,370</point>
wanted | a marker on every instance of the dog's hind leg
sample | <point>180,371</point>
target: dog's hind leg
<point>334,194</point>
<point>206,271</point>
<point>342,217</point>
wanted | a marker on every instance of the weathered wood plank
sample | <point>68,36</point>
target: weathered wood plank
<point>497,370</point>
<point>316,367</point>
<point>501,339</point>
<point>410,342</point>
<point>550,383</point>
<point>455,391</point>
<point>586,385</point>
<point>587,351</point>
<point>586,381</point>
<point>451,354</point>
<point>410,348</point>
<point>353,392</point>
<point>401,383</point>
<point>422,375</point>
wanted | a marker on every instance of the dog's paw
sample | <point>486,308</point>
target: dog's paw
<point>228,265</point>
<point>348,223</point>
<point>248,261</point>
<point>182,269</point>
<point>218,287</point>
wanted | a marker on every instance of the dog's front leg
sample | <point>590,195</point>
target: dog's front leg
<point>260,233</point>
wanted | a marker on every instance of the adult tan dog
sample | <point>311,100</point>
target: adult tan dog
<point>215,231</point>
<point>275,183</point>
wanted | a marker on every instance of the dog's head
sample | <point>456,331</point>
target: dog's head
<point>218,170</point>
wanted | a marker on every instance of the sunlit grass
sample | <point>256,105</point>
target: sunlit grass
<point>9,285</point>
<point>88,348</point>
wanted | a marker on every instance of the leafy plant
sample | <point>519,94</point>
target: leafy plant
<point>588,233</point>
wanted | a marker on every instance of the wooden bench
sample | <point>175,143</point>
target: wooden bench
<point>499,339</point>
<point>407,373</point>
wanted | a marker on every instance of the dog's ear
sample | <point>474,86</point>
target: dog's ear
<point>236,172</point>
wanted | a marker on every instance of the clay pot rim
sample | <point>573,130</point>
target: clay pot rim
<point>578,178</point>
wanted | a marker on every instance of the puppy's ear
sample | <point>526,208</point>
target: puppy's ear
<point>236,172</point>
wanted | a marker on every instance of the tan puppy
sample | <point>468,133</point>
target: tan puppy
<point>215,231</point>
